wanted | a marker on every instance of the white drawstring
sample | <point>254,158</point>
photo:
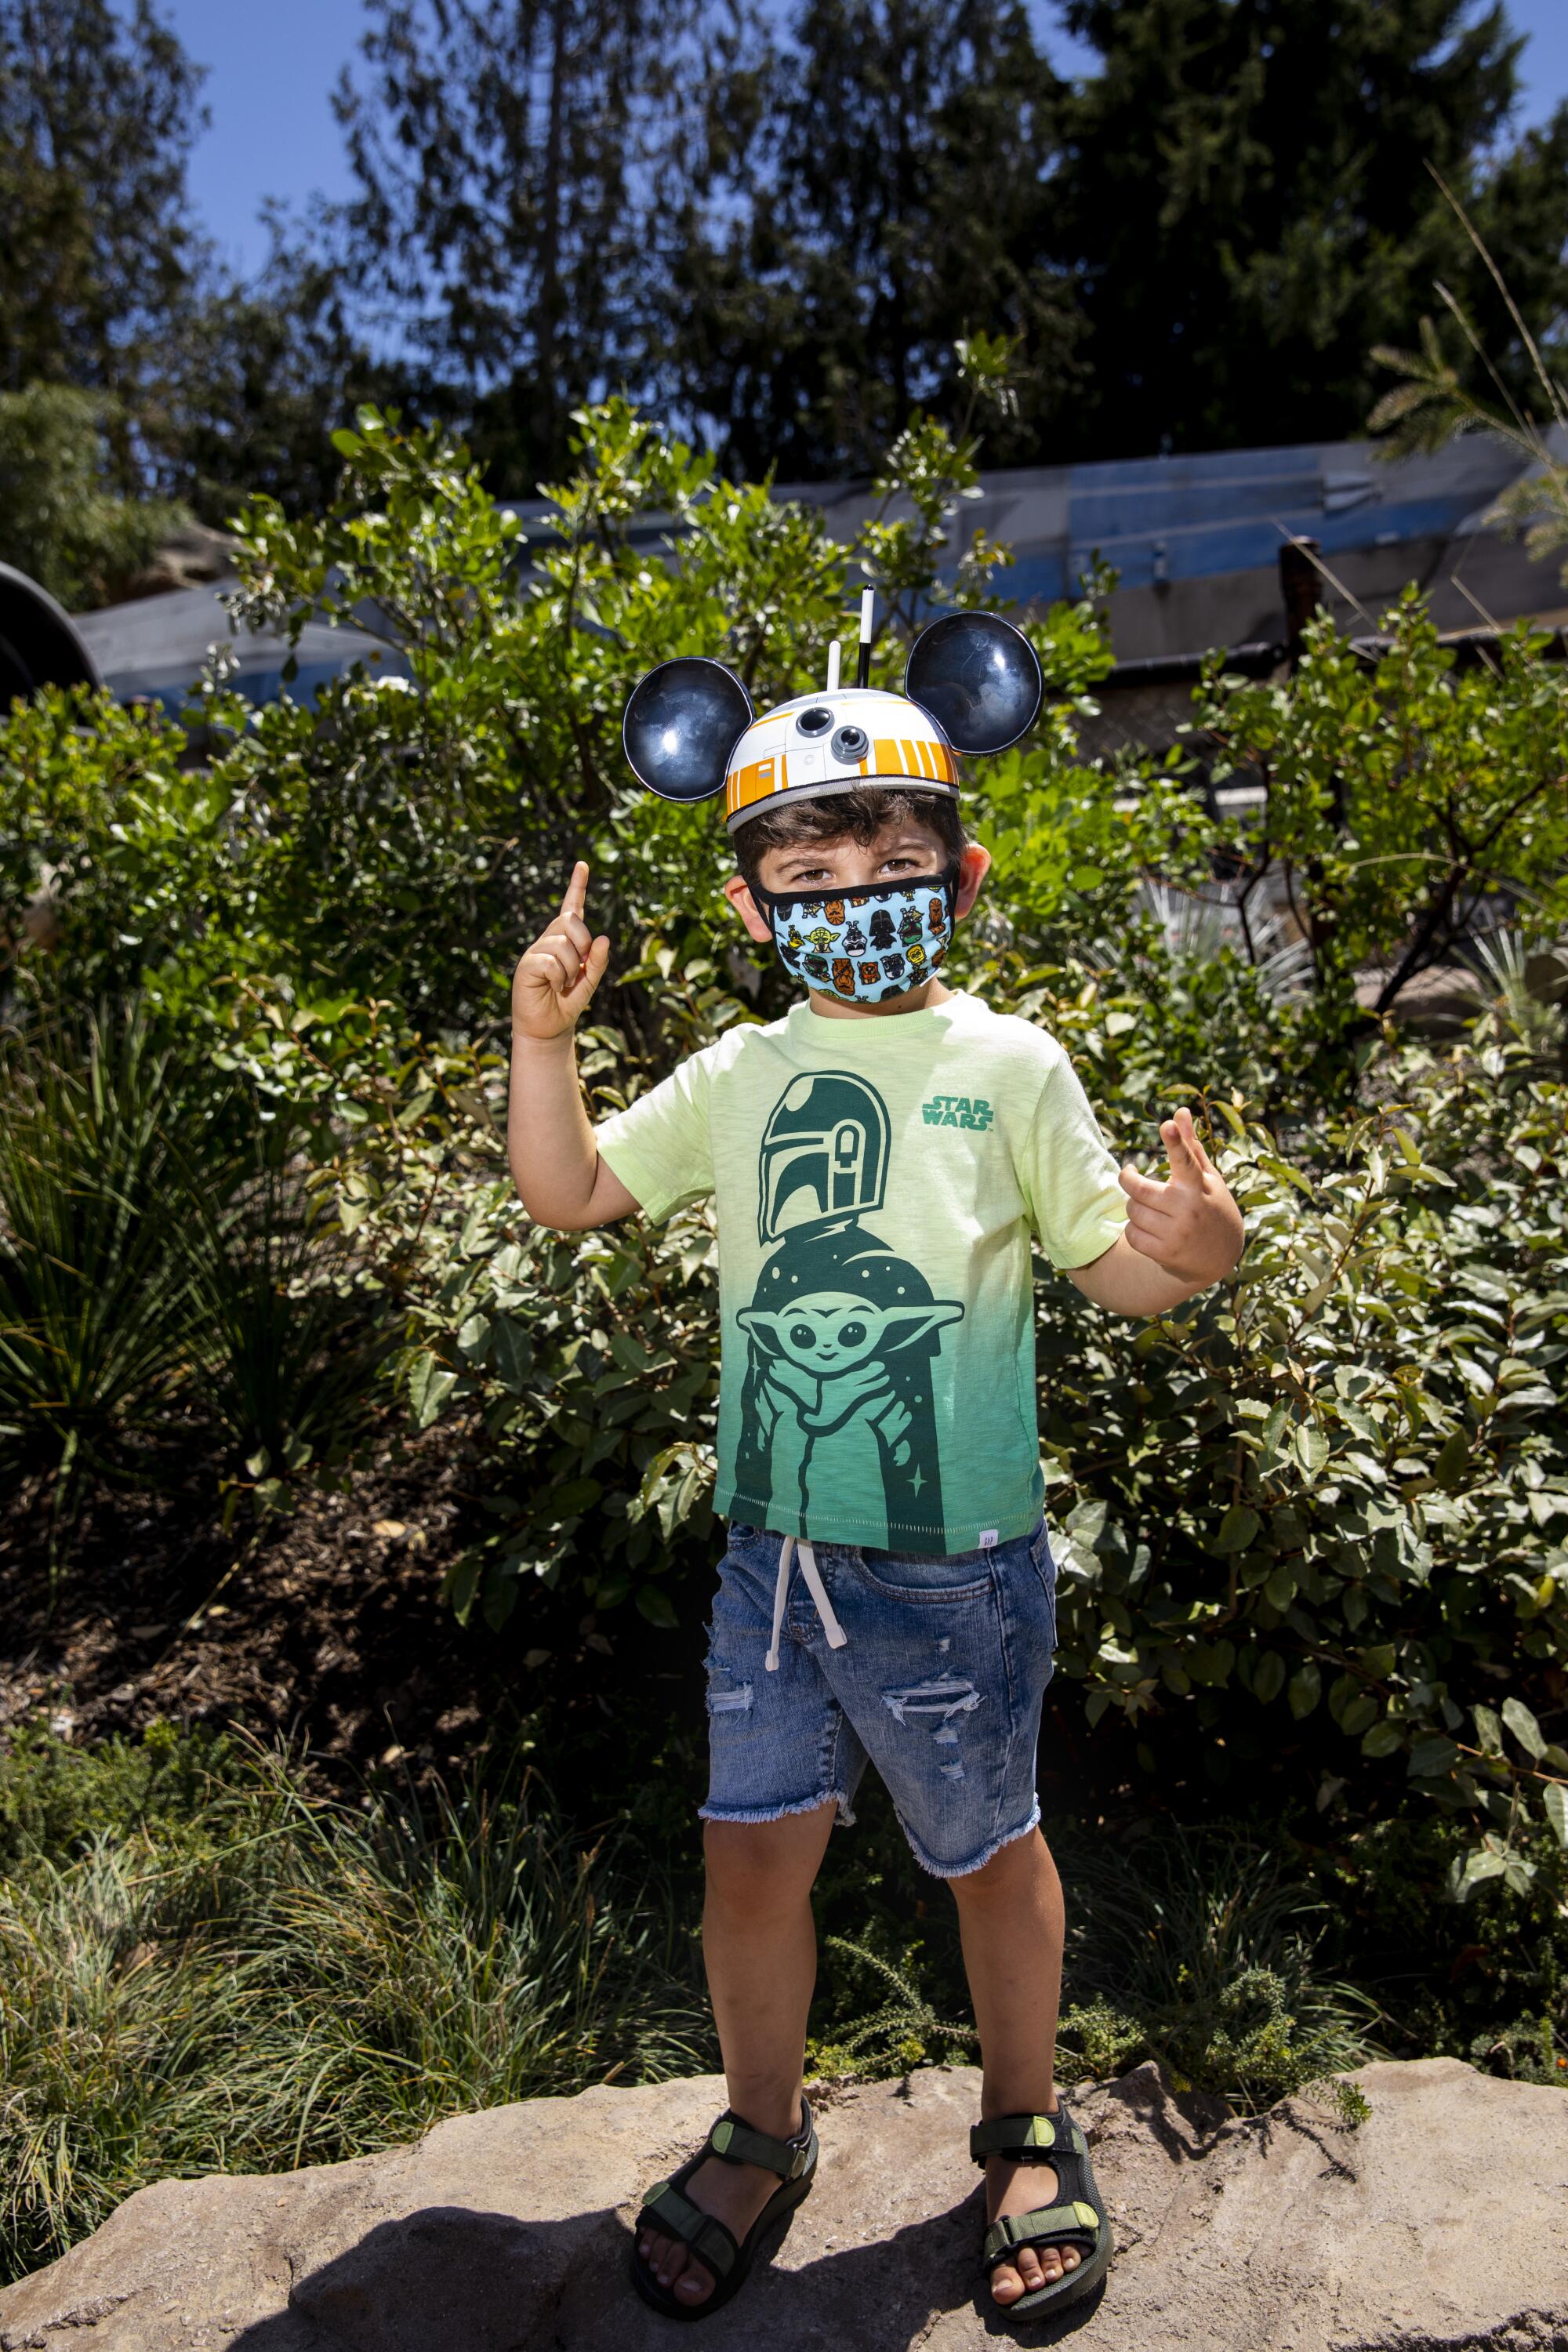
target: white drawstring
<point>837,1636</point>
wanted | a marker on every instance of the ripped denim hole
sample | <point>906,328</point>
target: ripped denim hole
<point>942,1694</point>
<point>951,1771</point>
<point>734,1701</point>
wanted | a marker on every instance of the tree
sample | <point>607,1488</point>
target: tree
<point>62,517</point>
<point>874,191</point>
<point>1246,194</point>
<point>264,374</point>
<point>97,109</point>
<point>498,232</point>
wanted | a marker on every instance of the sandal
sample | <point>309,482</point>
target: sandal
<point>727,2258</point>
<point>1078,2219</point>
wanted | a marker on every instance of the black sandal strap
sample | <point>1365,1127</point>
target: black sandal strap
<point>1027,2139</point>
<point>733,2138</point>
<point>1049,2225</point>
<point>706,2236</point>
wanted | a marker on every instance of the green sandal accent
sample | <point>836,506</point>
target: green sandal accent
<point>727,2258</point>
<point>1078,2219</point>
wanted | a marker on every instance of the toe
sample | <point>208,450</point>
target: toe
<point>1006,2284</point>
<point>693,2286</point>
<point>1070,2258</point>
<point>1032,2270</point>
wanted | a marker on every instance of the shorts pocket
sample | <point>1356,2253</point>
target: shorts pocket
<point>924,1579</point>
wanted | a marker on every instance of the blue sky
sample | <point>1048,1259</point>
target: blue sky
<point>271,71</point>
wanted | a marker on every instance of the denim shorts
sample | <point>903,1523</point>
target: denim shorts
<point>939,1685</point>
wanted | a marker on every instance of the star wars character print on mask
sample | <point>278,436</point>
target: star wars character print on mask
<point>864,944</point>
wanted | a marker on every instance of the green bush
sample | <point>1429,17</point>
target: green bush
<point>1311,1525</point>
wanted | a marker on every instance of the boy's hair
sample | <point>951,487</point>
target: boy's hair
<point>859,815</point>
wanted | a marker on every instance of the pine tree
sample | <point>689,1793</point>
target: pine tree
<point>875,190</point>
<point>1246,193</point>
<point>503,157</point>
<point>97,109</point>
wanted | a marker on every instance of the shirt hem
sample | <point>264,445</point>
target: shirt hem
<point>893,1535</point>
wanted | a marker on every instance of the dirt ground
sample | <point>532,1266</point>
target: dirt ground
<point>328,1626</point>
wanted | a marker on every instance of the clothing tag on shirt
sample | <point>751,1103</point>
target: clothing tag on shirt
<point>987,1538</point>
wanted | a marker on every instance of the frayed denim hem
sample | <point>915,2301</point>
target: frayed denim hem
<point>967,1869</point>
<point>780,1813</point>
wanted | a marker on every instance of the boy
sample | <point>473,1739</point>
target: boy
<point>878,1167</point>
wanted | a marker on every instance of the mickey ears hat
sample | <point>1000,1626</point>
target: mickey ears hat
<point>972,684</point>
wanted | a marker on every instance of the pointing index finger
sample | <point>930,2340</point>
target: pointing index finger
<point>576,889</point>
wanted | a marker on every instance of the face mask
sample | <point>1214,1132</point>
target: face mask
<point>867,944</point>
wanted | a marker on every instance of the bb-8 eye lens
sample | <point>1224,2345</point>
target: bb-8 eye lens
<point>850,743</point>
<point>816,722</point>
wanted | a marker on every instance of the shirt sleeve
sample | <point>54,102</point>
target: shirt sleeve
<point>659,1146</point>
<point>1068,1175</point>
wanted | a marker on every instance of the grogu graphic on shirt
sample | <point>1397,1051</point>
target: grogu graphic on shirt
<point>837,1409</point>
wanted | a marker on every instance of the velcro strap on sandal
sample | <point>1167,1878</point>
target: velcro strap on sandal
<point>737,2143</point>
<point>704,2233</point>
<point>1047,2225</point>
<point>1029,2139</point>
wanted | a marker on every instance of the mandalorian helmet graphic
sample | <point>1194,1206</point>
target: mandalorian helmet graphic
<point>825,1154</point>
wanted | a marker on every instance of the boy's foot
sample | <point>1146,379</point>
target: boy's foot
<point>735,2194</point>
<point>1012,2188</point>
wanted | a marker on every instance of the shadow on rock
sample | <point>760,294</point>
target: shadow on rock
<point>450,2279</point>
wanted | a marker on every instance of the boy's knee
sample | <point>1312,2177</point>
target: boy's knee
<point>765,1863</point>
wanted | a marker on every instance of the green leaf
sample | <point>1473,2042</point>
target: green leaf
<point>1433,1757</point>
<point>570,1501</point>
<point>1306,1688</point>
<point>512,1351</point>
<point>1311,1448</point>
<point>1453,1462</point>
<point>429,1385</point>
<point>1268,1678</point>
<point>1524,1726</point>
<point>656,1607</point>
<point>461,1583</point>
<point>1555,1804</point>
<point>1488,1729</point>
<point>1236,1530</point>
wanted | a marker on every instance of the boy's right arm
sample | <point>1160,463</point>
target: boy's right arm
<point>556,1164</point>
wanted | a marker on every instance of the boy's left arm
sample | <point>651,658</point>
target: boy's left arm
<point>1181,1234</point>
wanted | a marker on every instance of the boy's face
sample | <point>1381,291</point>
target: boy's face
<point>903,851</point>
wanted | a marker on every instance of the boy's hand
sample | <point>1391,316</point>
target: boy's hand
<point>558,974</point>
<point>1190,1223</point>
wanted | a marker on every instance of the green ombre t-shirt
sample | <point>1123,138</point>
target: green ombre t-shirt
<point>876,1183</point>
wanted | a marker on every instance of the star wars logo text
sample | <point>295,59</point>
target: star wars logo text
<point>957,1111</point>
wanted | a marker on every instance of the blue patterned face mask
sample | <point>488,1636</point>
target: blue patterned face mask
<point>868,944</point>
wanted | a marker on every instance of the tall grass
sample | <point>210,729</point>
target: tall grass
<point>1198,1949</point>
<point>160,1273</point>
<point>262,1978</point>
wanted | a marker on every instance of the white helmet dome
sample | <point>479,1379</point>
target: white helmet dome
<point>972,684</point>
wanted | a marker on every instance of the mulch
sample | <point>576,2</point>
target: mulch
<point>328,1627</point>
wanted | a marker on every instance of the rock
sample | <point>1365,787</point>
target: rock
<point>1436,2226</point>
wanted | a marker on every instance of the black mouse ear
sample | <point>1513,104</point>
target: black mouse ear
<point>683,721</point>
<point>978,676</point>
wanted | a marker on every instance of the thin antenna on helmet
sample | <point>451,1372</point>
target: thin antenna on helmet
<point>834,656</point>
<point>863,665</point>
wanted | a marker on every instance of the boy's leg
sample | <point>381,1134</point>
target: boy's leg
<point>758,1943</point>
<point>1010,1919</point>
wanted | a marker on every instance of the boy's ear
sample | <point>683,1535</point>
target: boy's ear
<point>683,721</point>
<point>979,677</point>
<point>738,891</point>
